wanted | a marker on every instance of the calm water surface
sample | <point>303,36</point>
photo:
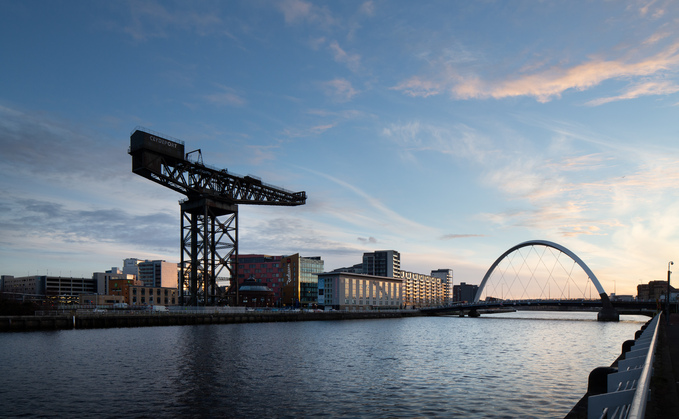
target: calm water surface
<point>510,365</point>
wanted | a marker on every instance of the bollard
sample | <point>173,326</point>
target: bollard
<point>598,380</point>
<point>626,346</point>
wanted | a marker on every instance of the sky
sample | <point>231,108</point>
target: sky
<point>448,131</point>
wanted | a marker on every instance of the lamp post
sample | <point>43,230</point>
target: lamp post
<point>667,297</point>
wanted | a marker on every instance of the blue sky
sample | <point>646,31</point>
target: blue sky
<point>449,131</point>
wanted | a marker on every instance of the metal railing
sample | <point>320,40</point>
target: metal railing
<point>628,389</point>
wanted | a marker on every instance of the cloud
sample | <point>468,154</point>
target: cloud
<point>551,83</point>
<point>151,19</point>
<point>548,84</point>
<point>651,88</point>
<point>417,87</point>
<point>340,90</point>
<point>298,11</point>
<point>458,141</point>
<point>54,225</point>
<point>30,142</point>
<point>352,61</point>
<point>308,131</point>
<point>227,96</point>
<point>367,8</point>
<point>460,236</point>
<point>385,217</point>
<point>370,240</point>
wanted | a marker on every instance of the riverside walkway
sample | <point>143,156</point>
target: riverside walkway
<point>663,401</point>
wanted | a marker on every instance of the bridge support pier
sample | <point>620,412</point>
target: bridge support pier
<point>474,313</point>
<point>608,313</point>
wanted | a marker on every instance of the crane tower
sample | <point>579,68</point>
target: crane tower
<point>209,213</point>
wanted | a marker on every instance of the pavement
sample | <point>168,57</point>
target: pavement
<point>664,400</point>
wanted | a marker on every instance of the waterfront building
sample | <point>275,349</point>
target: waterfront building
<point>122,286</point>
<point>63,289</point>
<point>446,276</point>
<point>253,293</point>
<point>130,266</point>
<point>100,300</point>
<point>464,292</point>
<point>653,291</point>
<point>265,269</point>
<point>355,269</point>
<point>299,286</point>
<point>149,296</point>
<point>422,290</point>
<point>103,279</point>
<point>382,263</point>
<point>158,273</point>
<point>350,291</point>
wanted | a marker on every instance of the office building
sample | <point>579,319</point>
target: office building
<point>464,292</point>
<point>158,273</point>
<point>299,282</point>
<point>350,291</point>
<point>103,279</point>
<point>382,263</point>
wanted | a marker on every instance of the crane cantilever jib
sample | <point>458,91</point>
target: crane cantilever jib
<point>211,194</point>
<point>163,161</point>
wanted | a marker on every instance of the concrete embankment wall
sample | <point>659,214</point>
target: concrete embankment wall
<point>98,321</point>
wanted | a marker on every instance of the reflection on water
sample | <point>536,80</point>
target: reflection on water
<point>505,365</point>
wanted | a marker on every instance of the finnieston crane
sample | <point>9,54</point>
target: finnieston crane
<point>209,214</point>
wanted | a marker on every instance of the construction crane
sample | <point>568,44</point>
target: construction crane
<point>209,213</point>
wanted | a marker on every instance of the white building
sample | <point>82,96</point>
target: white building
<point>422,290</point>
<point>446,276</point>
<point>153,273</point>
<point>350,291</point>
<point>158,273</point>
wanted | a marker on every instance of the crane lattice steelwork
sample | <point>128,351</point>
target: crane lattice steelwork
<point>209,214</point>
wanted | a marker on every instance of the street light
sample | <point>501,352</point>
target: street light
<point>667,297</point>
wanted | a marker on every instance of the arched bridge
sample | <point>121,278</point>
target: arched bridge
<point>607,313</point>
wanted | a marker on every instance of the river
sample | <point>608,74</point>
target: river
<point>524,364</point>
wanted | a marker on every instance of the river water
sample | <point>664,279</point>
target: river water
<point>524,364</point>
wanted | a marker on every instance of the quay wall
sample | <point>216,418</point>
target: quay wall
<point>105,320</point>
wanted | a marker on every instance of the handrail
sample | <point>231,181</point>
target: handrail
<point>628,388</point>
<point>638,407</point>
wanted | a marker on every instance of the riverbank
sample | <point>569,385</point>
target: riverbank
<point>146,319</point>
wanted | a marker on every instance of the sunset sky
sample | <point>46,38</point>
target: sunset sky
<point>448,131</point>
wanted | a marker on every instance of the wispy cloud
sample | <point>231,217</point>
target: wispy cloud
<point>308,131</point>
<point>299,11</point>
<point>339,90</point>
<point>225,96</point>
<point>152,19</point>
<point>385,217</point>
<point>651,88</point>
<point>547,84</point>
<point>352,61</point>
<point>460,236</point>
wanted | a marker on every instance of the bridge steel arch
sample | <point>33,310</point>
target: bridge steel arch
<point>606,312</point>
